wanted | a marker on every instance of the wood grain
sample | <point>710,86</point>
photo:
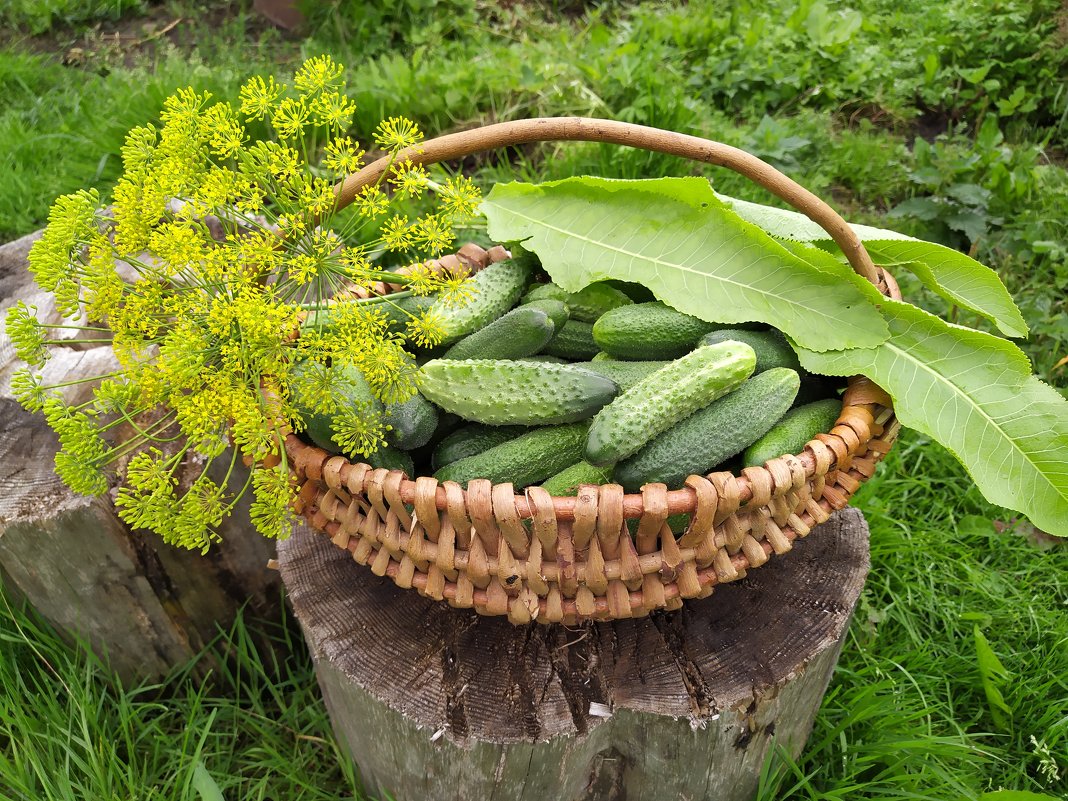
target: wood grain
<point>437,702</point>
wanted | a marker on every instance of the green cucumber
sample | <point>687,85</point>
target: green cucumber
<point>349,390</point>
<point>495,290</point>
<point>719,430</point>
<point>472,439</point>
<point>391,459</point>
<point>515,393</point>
<point>573,341</point>
<point>625,374</point>
<point>568,480</point>
<point>525,460</point>
<point>665,397</point>
<point>790,434</point>
<point>601,356</point>
<point>586,305</point>
<point>647,331</point>
<point>521,332</point>
<point>412,423</point>
<point>544,358</point>
<point>557,311</point>
<point>771,347</point>
<point>545,292</point>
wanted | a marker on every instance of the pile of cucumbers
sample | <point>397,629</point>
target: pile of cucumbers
<point>536,385</point>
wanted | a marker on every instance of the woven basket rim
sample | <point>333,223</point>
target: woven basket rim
<point>817,457</point>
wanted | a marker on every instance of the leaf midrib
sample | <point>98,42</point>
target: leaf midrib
<point>944,379</point>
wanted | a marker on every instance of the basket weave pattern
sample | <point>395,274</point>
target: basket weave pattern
<point>562,560</point>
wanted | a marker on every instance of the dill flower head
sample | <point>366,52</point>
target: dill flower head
<point>237,296</point>
<point>26,334</point>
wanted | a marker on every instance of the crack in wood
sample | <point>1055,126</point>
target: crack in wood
<point>672,628</point>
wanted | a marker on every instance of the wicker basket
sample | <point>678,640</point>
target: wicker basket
<point>563,560</point>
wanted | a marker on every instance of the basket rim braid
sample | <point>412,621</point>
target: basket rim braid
<point>566,559</point>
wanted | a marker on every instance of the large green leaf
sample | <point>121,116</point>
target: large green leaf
<point>954,276</point>
<point>674,236</point>
<point>974,393</point>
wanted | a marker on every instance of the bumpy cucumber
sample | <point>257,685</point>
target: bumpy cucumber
<point>392,459</point>
<point>525,460</point>
<point>716,432</point>
<point>771,347</point>
<point>586,305</point>
<point>521,332</point>
<point>351,390</point>
<point>544,358</point>
<point>557,311</point>
<point>790,434</point>
<point>545,292</point>
<point>625,374</point>
<point>646,331</point>
<point>573,341</point>
<point>665,397</point>
<point>601,356</point>
<point>472,439</point>
<point>515,393</point>
<point>494,291</point>
<point>412,423</point>
<point>568,480</point>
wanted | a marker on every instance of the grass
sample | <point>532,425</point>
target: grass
<point>906,716</point>
<point>945,125</point>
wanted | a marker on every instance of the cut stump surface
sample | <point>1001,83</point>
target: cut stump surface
<point>434,702</point>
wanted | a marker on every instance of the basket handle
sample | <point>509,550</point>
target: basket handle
<point>588,129</point>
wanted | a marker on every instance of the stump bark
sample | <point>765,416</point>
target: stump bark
<point>143,605</point>
<point>433,702</point>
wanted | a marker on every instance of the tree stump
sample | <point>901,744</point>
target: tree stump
<point>433,702</point>
<point>144,605</point>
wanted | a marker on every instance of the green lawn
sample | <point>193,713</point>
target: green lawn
<point>948,123</point>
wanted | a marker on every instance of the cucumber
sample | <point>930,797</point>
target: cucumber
<point>525,460</point>
<point>544,358</point>
<point>412,423</point>
<point>495,290</point>
<point>665,397</point>
<point>586,305</point>
<point>350,389</point>
<point>568,480</point>
<point>557,311</point>
<point>573,341</point>
<point>771,347</point>
<point>539,292</point>
<point>601,356</point>
<point>515,393</point>
<point>719,430</point>
<point>472,439</point>
<point>647,331</point>
<point>521,332</point>
<point>790,434</point>
<point>391,459</point>
<point>625,374</point>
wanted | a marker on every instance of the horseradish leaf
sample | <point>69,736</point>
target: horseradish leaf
<point>975,394</point>
<point>675,237</point>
